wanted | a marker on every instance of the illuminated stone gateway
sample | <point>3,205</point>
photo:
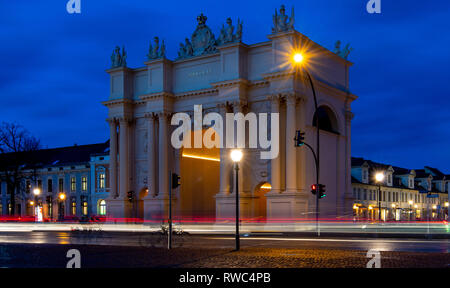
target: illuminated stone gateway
<point>225,75</point>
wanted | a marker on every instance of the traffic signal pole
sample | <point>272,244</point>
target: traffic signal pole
<point>169,238</point>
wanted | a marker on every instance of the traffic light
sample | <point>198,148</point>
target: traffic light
<point>322,191</point>
<point>130,195</point>
<point>299,138</point>
<point>313,189</point>
<point>176,180</point>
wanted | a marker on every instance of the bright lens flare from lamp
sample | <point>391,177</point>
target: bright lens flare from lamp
<point>36,191</point>
<point>379,177</point>
<point>298,58</point>
<point>236,155</point>
<point>62,196</point>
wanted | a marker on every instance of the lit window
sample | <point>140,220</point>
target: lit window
<point>84,183</point>
<point>73,184</point>
<point>101,180</point>
<point>74,208</point>
<point>102,207</point>
<point>85,208</point>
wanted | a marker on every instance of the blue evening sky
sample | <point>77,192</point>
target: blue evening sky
<point>52,77</point>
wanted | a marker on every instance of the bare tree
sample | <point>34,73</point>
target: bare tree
<point>16,147</point>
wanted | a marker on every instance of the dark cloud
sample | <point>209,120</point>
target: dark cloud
<point>53,81</point>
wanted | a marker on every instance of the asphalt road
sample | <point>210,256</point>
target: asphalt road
<point>275,240</point>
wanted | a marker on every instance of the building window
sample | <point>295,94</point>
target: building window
<point>102,207</point>
<point>28,187</point>
<point>39,184</point>
<point>85,208</point>
<point>50,185</point>
<point>101,180</point>
<point>61,184</point>
<point>74,207</point>
<point>73,184</point>
<point>84,183</point>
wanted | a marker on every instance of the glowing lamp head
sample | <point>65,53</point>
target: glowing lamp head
<point>36,191</point>
<point>446,204</point>
<point>298,58</point>
<point>434,207</point>
<point>379,177</point>
<point>416,206</point>
<point>410,202</point>
<point>31,203</point>
<point>62,196</point>
<point>393,205</point>
<point>236,155</point>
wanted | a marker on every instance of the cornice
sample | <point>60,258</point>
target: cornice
<point>157,95</point>
<point>120,101</point>
<point>239,82</point>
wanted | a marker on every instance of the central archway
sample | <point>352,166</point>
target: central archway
<point>200,174</point>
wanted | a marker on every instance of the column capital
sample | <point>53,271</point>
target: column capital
<point>291,98</point>
<point>163,114</point>
<point>150,116</point>
<point>125,120</point>
<point>276,97</point>
<point>239,106</point>
<point>111,120</point>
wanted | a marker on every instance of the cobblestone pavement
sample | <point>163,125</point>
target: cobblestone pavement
<point>24,255</point>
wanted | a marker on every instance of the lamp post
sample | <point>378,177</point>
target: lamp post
<point>61,197</point>
<point>36,192</point>
<point>299,59</point>
<point>379,177</point>
<point>236,156</point>
<point>410,202</point>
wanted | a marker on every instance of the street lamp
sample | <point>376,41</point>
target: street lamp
<point>299,60</point>
<point>379,177</point>
<point>236,156</point>
<point>61,197</point>
<point>36,192</point>
<point>410,202</point>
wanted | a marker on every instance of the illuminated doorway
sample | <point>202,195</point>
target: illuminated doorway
<point>200,182</point>
<point>261,201</point>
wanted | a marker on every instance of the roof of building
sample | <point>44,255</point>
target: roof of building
<point>77,154</point>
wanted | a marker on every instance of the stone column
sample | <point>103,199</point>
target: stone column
<point>291,156</point>
<point>123,157</point>
<point>225,162</point>
<point>163,163</point>
<point>112,158</point>
<point>151,179</point>
<point>275,165</point>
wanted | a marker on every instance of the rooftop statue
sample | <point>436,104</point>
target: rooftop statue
<point>282,22</point>
<point>154,52</point>
<point>227,35</point>
<point>344,53</point>
<point>118,59</point>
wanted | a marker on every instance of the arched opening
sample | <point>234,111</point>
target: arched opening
<point>261,201</point>
<point>101,207</point>
<point>327,120</point>
<point>200,180</point>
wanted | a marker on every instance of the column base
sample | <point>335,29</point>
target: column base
<point>118,210</point>
<point>226,206</point>
<point>157,208</point>
<point>287,205</point>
